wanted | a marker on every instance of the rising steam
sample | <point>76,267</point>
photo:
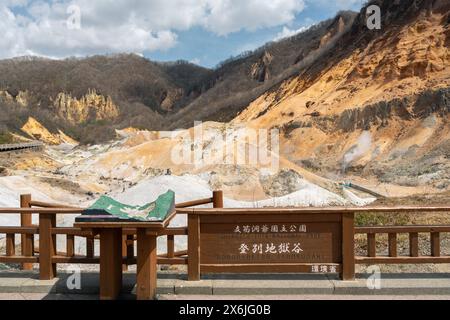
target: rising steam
<point>358,150</point>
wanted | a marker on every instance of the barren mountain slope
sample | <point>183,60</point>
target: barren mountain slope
<point>91,97</point>
<point>394,84</point>
<point>240,80</point>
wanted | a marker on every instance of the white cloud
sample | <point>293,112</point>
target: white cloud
<point>128,26</point>
<point>286,32</point>
<point>195,61</point>
<point>348,4</point>
<point>226,16</point>
<point>10,45</point>
<point>15,3</point>
<point>336,4</point>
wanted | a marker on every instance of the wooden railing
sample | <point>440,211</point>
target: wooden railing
<point>46,255</point>
<point>414,256</point>
<point>21,146</point>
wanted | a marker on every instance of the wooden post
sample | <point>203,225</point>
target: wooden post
<point>130,247</point>
<point>218,199</point>
<point>371,245</point>
<point>127,249</point>
<point>10,244</point>
<point>124,252</point>
<point>392,244</point>
<point>146,265</point>
<point>110,263</point>
<point>348,247</point>
<point>414,244</point>
<point>70,245</point>
<point>26,239</point>
<point>170,246</point>
<point>46,247</point>
<point>54,243</point>
<point>90,247</point>
<point>193,247</point>
<point>435,244</point>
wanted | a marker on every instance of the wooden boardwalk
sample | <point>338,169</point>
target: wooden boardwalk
<point>37,145</point>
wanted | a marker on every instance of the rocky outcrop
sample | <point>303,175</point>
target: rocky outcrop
<point>380,114</point>
<point>22,98</point>
<point>425,104</point>
<point>260,70</point>
<point>37,131</point>
<point>376,114</point>
<point>417,43</point>
<point>337,27</point>
<point>283,183</point>
<point>432,102</point>
<point>170,98</point>
<point>6,97</point>
<point>90,107</point>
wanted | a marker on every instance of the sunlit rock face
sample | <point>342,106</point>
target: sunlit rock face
<point>91,106</point>
<point>260,70</point>
<point>22,98</point>
<point>35,130</point>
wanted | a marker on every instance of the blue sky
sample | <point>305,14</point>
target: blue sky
<point>201,31</point>
<point>207,49</point>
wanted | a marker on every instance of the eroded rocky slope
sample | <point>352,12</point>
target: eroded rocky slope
<point>350,103</point>
<point>378,106</point>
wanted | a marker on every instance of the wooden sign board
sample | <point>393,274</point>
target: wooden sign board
<point>309,243</point>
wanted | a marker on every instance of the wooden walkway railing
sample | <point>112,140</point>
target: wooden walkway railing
<point>45,253</point>
<point>21,146</point>
<point>414,256</point>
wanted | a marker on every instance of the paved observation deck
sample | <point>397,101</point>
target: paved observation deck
<point>172,285</point>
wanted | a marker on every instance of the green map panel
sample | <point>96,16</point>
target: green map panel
<point>108,209</point>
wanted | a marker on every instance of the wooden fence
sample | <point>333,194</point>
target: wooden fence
<point>46,255</point>
<point>21,146</point>
<point>414,256</point>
